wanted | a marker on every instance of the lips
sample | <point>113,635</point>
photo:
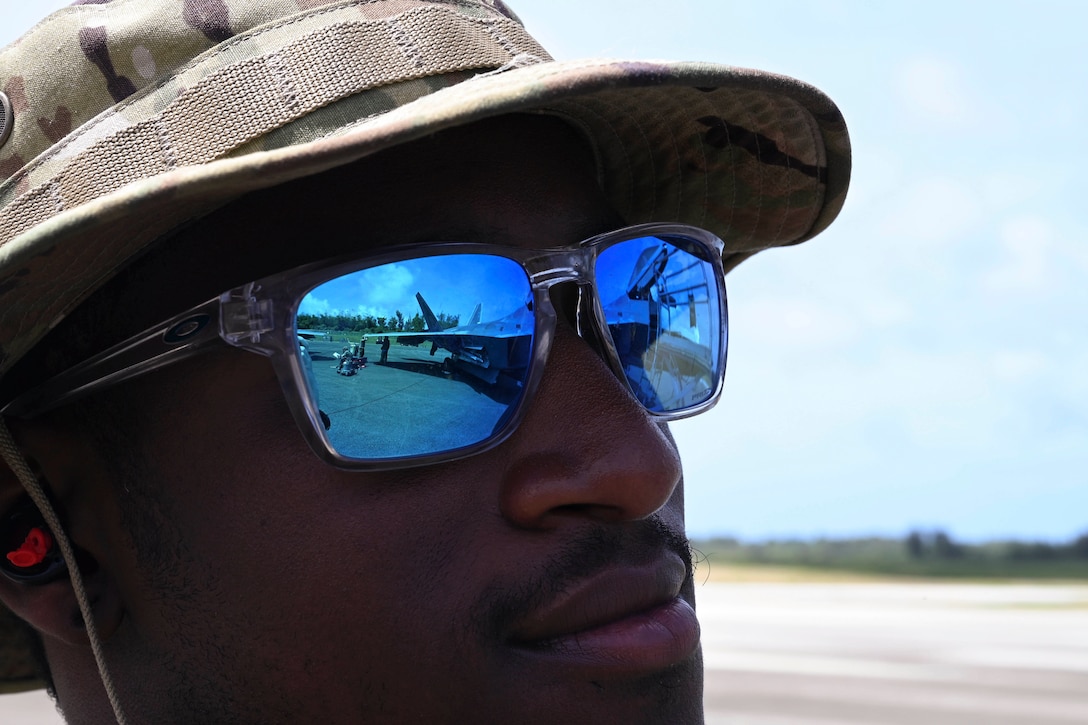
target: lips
<point>624,620</point>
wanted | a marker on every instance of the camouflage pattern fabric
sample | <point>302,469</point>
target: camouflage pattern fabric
<point>130,117</point>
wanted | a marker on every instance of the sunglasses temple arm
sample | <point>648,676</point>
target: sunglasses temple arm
<point>164,344</point>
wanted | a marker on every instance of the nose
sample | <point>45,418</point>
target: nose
<point>586,447</point>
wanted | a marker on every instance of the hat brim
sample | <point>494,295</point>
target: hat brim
<point>759,159</point>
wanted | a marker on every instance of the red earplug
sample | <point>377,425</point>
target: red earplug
<point>34,549</point>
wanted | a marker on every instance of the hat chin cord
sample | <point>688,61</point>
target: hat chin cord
<point>17,463</point>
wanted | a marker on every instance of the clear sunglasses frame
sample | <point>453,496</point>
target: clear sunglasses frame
<point>260,317</point>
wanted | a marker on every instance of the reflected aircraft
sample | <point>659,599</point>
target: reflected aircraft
<point>482,349</point>
<point>313,334</point>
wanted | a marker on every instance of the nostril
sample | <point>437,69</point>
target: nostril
<point>596,511</point>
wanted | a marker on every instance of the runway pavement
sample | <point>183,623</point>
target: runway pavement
<point>810,654</point>
<point>817,654</point>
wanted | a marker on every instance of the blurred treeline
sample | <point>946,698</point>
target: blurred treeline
<point>370,324</point>
<point>920,553</point>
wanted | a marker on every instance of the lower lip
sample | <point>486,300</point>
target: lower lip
<point>648,641</point>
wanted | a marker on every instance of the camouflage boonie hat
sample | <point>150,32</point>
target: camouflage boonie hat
<point>121,119</point>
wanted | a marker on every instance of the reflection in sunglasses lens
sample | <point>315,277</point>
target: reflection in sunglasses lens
<point>662,309</point>
<point>418,356</point>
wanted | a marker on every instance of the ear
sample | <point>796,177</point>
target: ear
<point>49,604</point>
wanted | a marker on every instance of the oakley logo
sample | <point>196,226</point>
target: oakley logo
<point>185,329</point>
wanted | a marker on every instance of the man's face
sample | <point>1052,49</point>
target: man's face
<point>535,582</point>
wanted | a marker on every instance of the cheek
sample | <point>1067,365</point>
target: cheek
<point>295,544</point>
<point>217,422</point>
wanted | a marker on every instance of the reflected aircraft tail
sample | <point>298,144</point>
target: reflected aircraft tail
<point>428,316</point>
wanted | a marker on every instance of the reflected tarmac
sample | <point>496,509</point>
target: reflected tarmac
<point>368,410</point>
<point>816,654</point>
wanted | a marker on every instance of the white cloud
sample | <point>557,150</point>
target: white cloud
<point>311,305</point>
<point>1025,267</point>
<point>934,210</point>
<point>1008,188</point>
<point>1018,365</point>
<point>796,323</point>
<point>378,293</point>
<point>935,92</point>
<point>386,286</point>
<point>885,313</point>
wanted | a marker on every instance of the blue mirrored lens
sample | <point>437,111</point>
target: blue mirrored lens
<point>662,307</point>
<point>418,356</point>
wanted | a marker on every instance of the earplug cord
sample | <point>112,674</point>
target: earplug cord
<point>18,465</point>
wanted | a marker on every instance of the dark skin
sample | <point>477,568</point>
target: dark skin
<point>240,579</point>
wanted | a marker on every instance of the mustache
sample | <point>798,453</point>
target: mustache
<point>505,603</point>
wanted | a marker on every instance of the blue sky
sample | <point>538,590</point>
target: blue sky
<point>451,285</point>
<point>923,362</point>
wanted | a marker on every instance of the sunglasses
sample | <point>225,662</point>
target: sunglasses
<point>431,352</point>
